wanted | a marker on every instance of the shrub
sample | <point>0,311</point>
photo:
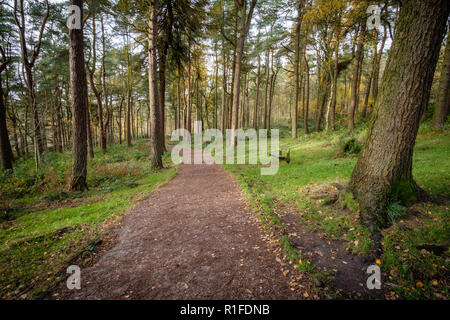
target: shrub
<point>348,147</point>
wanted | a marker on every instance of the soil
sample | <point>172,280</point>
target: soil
<point>193,238</point>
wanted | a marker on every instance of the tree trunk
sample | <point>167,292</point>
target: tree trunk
<point>79,105</point>
<point>245,26</point>
<point>156,159</point>
<point>306,107</point>
<point>377,68</point>
<point>356,76</point>
<point>266,95</point>
<point>441,109</point>
<point>5,145</point>
<point>224,89</point>
<point>370,79</point>
<point>383,173</point>
<point>105,91</point>
<point>294,113</point>
<point>258,83</point>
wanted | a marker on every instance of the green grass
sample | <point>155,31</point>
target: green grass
<point>322,159</point>
<point>36,243</point>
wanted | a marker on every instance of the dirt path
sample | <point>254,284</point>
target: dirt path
<point>193,238</point>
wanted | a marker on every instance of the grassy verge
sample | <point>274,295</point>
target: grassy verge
<point>43,226</point>
<point>314,184</point>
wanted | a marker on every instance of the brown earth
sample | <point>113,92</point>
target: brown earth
<point>194,238</point>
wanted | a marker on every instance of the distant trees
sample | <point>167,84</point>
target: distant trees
<point>29,57</point>
<point>441,109</point>
<point>383,173</point>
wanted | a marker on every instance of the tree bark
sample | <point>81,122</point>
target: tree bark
<point>383,173</point>
<point>156,159</point>
<point>79,105</point>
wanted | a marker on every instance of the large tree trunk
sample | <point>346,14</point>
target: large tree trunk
<point>383,173</point>
<point>356,76</point>
<point>441,110</point>
<point>79,105</point>
<point>156,159</point>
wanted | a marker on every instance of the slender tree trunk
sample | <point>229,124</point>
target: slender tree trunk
<point>89,132</point>
<point>105,91</point>
<point>266,100</point>
<point>156,159</point>
<point>383,173</point>
<point>294,113</point>
<point>377,67</point>
<point>441,109</point>
<point>306,107</point>
<point>356,76</point>
<point>370,79</point>
<point>5,145</point>
<point>79,105</point>
<point>258,83</point>
<point>245,26</point>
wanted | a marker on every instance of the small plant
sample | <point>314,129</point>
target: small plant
<point>395,211</point>
<point>348,147</point>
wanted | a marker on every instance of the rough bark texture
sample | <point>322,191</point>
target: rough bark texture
<point>383,173</point>
<point>156,159</point>
<point>79,106</point>
<point>441,110</point>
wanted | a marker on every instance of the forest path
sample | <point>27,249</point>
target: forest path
<point>193,238</point>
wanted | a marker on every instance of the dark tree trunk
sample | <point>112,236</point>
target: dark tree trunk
<point>156,159</point>
<point>441,110</point>
<point>383,173</point>
<point>306,107</point>
<point>79,105</point>
<point>5,145</point>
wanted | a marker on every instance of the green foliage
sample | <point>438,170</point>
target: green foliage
<point>395,211</point>
<point>36,241</point>
<point>348,147</point>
